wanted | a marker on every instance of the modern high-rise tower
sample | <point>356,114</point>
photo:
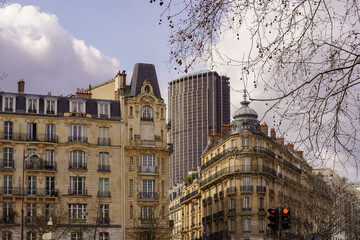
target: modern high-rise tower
<point>199,104</point>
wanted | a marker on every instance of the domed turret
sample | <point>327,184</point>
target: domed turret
<point>244,116</point>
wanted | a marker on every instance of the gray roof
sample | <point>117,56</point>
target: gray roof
<point>142,72</point>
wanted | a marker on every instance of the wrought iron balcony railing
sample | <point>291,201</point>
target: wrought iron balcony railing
<point>104,141</point>
<point>148,169</point>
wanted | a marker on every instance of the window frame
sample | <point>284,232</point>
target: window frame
<point>5,103</point>
<point>31,102</point>
<point>48,100</point>
<point>103,109</point>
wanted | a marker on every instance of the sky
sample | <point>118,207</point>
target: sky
<point>59,46</point>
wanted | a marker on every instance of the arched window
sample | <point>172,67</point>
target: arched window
<point>147,89</point>
<point>147,114</point>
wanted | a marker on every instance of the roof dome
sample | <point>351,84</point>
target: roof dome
<point>245,112</point>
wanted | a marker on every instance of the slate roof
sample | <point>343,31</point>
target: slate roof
<point>142,72</point>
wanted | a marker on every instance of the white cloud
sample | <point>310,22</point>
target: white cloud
<point>35,47</point>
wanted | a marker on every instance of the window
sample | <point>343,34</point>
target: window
<point>104,161</point>
<point>233,144</point>
<point>261,224</point>
<point>50,186</point>
<point>246,204</point>
<point>147,212</point>
<point>50,158</point>
<point>8,130</point>
<point>131,163</point>
<point>31,132</point>
<point>77,160</point>
<point>77,186</point>
<point>162,113</point>
<point>246,224</point>
<point>131,134</point>
<point>261,181</point>
<point>231,225</point>
<point>148,189</point>
<point>50,133</point>
<point>245,143</point>
<point>232,204</point>
<point>131,190</point>
<point>104,214</point>
<point>77,106</point>
<point>104,110</point>
<point>258,144</point>
<point>148,163</point>
<point>76,236</point>
<point>49,209</point>
<point>8,213</point>
<point>30,212</point>
<point>32,105</point>
<point>131,211</point>
<point>50,107</point>
<point>8,184</point>
<point>31,185</point>
<point>8,158</point>
<point>147,89</point>
<point>246,181</point>
<point>261,204</point>
<point>9,103</point>
<point>78,133</point>
<point>131,111</point>
<point>147,114</point>
<point>246,164</point>
<point>260,164</point>
<point>104,187</point>
<point>77,211</point>
<point>104,236</point>
<point>30,236</point>
<point>104,136</point>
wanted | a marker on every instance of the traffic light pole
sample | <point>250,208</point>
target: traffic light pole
<point>280,222</point>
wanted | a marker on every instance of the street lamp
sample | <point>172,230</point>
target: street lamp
<point>33,156</point>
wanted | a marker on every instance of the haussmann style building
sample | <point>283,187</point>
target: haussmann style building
<point>95,162</point>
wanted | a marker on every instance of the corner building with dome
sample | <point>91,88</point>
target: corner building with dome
<point>245,171</point>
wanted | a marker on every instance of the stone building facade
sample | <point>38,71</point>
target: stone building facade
<point>100,156</point>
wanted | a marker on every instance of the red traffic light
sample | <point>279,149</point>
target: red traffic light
<point>272,211</point>
<point>285,210</point>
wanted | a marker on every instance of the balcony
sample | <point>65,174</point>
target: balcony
<point>104,141</point>
<point>271,191</point>
<point>148,169</point>
<point>103,167</point>
<point>208,199</point>
<point>37,192</point>
<point>50,112</point>
<point>78,192</point>
<point>260,189</point>
<point>216,197</point>
<point>189,196</point>
<point>220,214</point>
<point>7,164</point>
<point>77,165</point>
<point>261,209</point>
<point>148,196</point>
<point>246,189</point>
<point>208,218</point>
<point>104,194</point>
<point>265,151</point>
<point>7,220</point>
<point>245,209</point>
<point>77,139</point>
<point>40,165</point>
<point>204,202</point>
<point>29,137</point>
<point>8,109</point>
<point>146,119</point>
<point>103,220</point>
<point>231,190</point>
<point>232,212</point>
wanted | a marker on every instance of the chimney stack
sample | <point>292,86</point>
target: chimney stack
<point>225,129</point>
<point>264,128</point>
<point>300,154</point>
<point>280,140</point>
<point>290,147</point>
<point>21,86</point>
<point>273,134</point>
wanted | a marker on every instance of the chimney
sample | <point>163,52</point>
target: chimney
<point>81,93</point>
<point>273,134</point>
<point>225,129</point>
<point>21,86</point>
<point>214,137</point>
<point>264,128</point>
<point>280,140</point>
<point>123,79</point>
<point>290,147</point>
<point>299,154</point>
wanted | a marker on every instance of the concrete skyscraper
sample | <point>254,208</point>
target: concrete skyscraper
<point>199,104</point>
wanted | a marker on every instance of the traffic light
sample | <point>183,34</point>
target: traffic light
<point>285,218</point>
<point>273,218</point>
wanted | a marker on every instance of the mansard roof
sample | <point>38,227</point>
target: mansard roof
<point>142,72</point>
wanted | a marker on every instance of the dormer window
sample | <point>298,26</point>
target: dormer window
<point>104,110</point>
<point>32,105</point>
<point>50,106</point>
<point>9,103</point>
<point>77,107</point>
<point>147,114</point>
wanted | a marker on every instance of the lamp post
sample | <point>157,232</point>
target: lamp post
<point>33,155</point>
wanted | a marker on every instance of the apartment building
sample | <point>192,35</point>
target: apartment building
<point>96,162</point>
<point>68,148</point>
<point>244,172</point>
